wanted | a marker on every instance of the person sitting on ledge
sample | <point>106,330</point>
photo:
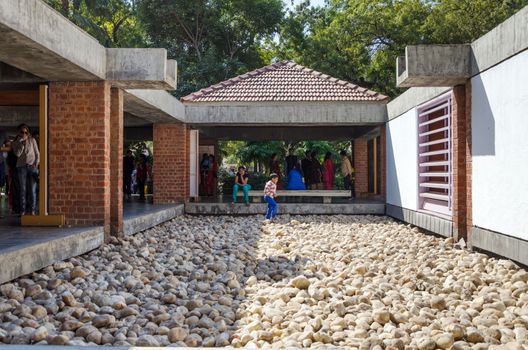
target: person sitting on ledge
<point>241,180</point>
<point>295,179</point>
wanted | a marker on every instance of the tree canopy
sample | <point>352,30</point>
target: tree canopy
<point>354,40</point>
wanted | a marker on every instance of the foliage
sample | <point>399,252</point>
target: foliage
<point>142,147</point>
<point>359,40</point>
<point>114,23</point>
<point>212,40</point>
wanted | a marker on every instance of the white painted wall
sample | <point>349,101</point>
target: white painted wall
<point>500,147</point>
<point>402,161</point>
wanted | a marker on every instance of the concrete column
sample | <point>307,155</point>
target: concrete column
<point>79,152</point>
<point>171,163</point>
<point>383,161</point>
<point>469,168</point>
<point>361,166</point>
<point>116,162</point>
<point>459,140</point>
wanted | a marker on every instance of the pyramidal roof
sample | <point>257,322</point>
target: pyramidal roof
<point>284,81</point>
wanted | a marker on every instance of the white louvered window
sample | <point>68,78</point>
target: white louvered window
<point>435,157</point>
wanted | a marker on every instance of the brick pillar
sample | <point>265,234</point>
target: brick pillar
<point>469,163</point>
<point>79,152</point>
<point>171,163</point>
<point>383,152</point>
<point>361,166</point>
<point>459,130</point>
<point>116,162</point>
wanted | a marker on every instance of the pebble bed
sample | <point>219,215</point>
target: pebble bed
<point>358,282</point>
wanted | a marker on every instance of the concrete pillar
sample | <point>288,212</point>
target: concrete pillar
<point>79,152</point>
<point>469,168</point>
<point>171,163</point>
<point>383,161</point>
<point>460,148</point>
<point>116,162</point>
<point>361,166</point>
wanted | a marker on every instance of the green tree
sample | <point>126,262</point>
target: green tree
<point>114,23</point>
<point>212,40</point>
<point>359,40</point>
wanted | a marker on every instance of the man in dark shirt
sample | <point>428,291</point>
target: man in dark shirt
<point>306,165</point>
<point>128,168</point>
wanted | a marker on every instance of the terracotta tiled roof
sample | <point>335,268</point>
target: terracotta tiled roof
<point>283,81</point>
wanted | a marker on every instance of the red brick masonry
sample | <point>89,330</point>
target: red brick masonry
<point>171,163</point>
<point>79,152</point>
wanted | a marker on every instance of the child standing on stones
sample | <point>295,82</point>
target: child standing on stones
<point>270,192</point>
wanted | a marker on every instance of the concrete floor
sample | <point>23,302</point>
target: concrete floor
<point>27,249</point>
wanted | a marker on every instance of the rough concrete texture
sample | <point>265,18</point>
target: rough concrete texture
<point>434,65</point>
<point>412,98</point>
<point>37,39</point>
<point>10,74</point>
<point>284,208</point>
<point>427,222</point>
<point>26,258</point>
<point>140,223</point>
<point>308,113</point>
<point>497,243</point>
<point>289,133</point>
<point>154,106</point>
<point>502,42</point>
<point>140,68</point>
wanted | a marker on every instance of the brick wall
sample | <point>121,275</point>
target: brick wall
<point>171,163</point>
<point>459,162</point>
<point>361,166</point>
<point>79,152</point>
<point>116,162</point>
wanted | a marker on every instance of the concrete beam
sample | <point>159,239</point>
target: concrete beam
<point>154,106</point>
<point>141,68</point>
<point>37,39</point>
<point>434,65</point>
<point>412,98</point>
<point>286,133</point>
<point>504,41</point>
<point>301,113</point>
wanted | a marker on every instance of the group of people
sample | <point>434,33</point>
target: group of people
<point>310,174</point>
<point>140,170</point>
<point>21,155</point>
<point>307,174</point>
<point>208,175</point>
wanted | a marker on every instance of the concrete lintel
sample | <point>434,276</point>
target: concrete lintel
<point>412,98</point>
<point>434,65</point>
<point>140,68</point>
<point>301,113</point>
<point>154,106</point>
<point>289,133</point>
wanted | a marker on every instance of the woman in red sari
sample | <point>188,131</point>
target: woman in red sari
<point>211,176</point>
<point>328,172</point>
